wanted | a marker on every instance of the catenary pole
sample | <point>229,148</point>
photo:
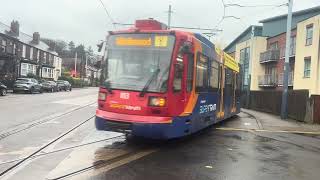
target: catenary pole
<point>75,64</point>
<point>250,67</point>
<point>169,17</point>
<point>284,104</point>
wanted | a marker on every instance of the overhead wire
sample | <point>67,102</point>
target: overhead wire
<point>108,14</point>
<point>254,6</point>
<point>238,5</point>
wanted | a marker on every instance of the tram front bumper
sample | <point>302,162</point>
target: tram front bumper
<point>151,129</point>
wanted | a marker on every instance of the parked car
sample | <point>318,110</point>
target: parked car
<point>64,85</point>
<point>50,86</point>
<point>3,89</point>
<point>27,85</point>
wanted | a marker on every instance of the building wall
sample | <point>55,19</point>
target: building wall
<point>281,41</point>
<point>244,36</point>
<point>275,27</point>
<point>300,82</point>
<point>259,45</point>
<point>58,67</point>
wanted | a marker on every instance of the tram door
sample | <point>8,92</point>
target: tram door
<point>228,92</point>
<point>234,89</point>
<point>220,107</point>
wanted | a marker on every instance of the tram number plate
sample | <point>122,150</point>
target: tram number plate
<point>207,108</point>
<point>124,95</point>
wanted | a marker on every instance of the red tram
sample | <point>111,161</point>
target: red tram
<point>164,84</point>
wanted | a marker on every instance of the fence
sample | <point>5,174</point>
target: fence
<point>270,101</point>
<point>313,109</point>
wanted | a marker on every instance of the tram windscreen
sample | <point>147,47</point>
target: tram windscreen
<point>135,59</point>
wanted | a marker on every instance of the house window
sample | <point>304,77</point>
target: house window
<point>3,45</point>
<point>274,46</point>
<point>292,45</point>
<point>309,35</point>
<point>24,69</point>
<point>51,74</point>
<point>202,73</point>
<point>307,67</point>
<point>244,61</point>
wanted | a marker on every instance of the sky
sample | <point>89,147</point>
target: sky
<point>85,21</point>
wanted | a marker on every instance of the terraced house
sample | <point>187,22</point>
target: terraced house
<point>22,54</point>
<point>261,51</point>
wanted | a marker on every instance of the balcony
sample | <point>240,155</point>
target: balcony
<point>272,55</point>
<point>290,79</point>
<point>268,80</point>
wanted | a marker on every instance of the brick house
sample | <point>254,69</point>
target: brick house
<point>273,59</point>
<point>22,54</point>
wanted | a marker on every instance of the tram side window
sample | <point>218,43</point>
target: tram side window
<point>214,76</point>
<point>178,74</point>
<point>202,73</point>
<point>190,72</point>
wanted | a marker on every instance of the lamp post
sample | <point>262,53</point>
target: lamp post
<point>286,68</point>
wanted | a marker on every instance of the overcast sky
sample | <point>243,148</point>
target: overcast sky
<point>84,21</point>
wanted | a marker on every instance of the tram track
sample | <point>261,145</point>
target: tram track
<point>108,164</point>
<point>8,170</point>
<point>25,126</point>
<point>62,149</point>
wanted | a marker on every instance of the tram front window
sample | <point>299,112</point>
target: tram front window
<point>137,59</point>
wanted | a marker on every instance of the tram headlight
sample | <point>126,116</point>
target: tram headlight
<point>157,101</point>
<point>102,96</point>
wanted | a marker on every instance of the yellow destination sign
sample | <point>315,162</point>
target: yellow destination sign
<point>230,62</point>
<point>122,41</point>
<point>161,41</point>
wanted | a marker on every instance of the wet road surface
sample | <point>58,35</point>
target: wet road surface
<point>229,150</point>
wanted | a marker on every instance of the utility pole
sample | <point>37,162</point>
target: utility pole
<point>250,67</point>
<point>284,104</point>
<point>86,67</point>
<point>169,16</point>
<point>75,64</point>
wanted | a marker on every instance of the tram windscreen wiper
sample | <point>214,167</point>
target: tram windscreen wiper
<point>107,85</point>
<point>145,88</point>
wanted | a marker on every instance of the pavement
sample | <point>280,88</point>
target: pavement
<point>252,145</point>
<point>273,122</point>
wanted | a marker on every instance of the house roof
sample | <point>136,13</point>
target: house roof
<point>244,33</point>
<point>26,39</point>
<point>297,13</point>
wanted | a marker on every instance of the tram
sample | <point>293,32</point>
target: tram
<point>164,84</point>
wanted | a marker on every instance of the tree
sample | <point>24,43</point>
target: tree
<point>50,42</point>
<point>71,46</point>
<point>90,54</point>
<point>61,47</point>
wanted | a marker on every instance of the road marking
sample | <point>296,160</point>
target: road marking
<point>108,167</point>
<point>78,101</point>
<point>40,121</point>
<point>271,131</point>
<point>247,124</point>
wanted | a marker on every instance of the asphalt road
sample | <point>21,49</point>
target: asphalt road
<point>229,150</point>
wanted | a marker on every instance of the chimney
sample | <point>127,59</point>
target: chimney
<point>36,38</point>
<point>14,28</point>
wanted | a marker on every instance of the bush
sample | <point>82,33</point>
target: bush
<point>75,82</point>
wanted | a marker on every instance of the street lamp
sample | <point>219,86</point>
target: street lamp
<point>284,104</point>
